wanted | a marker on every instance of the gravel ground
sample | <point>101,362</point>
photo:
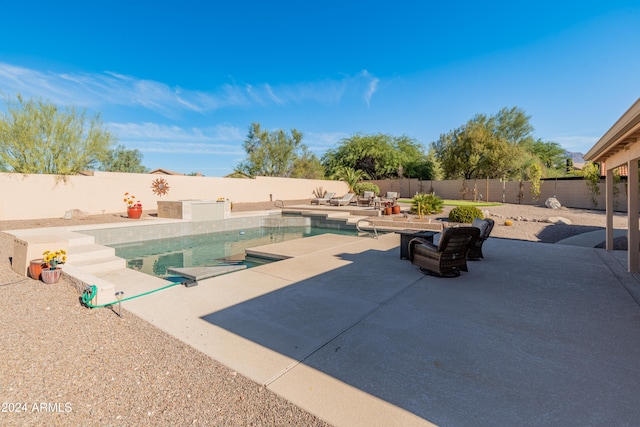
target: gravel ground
<point>63,364</point>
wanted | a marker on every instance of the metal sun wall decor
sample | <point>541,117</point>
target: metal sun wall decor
<point>160,186</point>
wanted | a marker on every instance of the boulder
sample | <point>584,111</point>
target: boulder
<point>552,203</point>
<point>558,220</point>
<point>75,214</point>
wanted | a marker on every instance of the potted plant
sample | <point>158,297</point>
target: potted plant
<point>51,272</point>
<point>134,208</point>
<point>35,268</point>
<point>387,208</point>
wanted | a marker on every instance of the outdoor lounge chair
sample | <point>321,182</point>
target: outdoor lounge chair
<point>391,196</point>
<point>323,200</point>
<point>366,199</point>
<point>449,257</point>
<point>344,201</point>
<point>485,226</point>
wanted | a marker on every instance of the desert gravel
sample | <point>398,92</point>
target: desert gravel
<point>63,364</point>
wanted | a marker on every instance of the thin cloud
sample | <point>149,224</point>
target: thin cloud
<point>95,90</point>
<point>158,138</point>
<point>321,142</point>
<point>372,86</point>
<point>186,148</point>
<point>160,131</point>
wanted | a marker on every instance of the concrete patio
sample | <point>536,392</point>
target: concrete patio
<point>534,334</point>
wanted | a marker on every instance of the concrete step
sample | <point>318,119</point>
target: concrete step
<point>78,239</point>
<point>99,265</point>
<point>88,252</point>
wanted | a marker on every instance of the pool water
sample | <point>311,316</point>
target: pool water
<point>154,257</point>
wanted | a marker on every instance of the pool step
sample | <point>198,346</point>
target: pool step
<point>77,253</point>
<point>78,239</point>
<point>99,265</point>
<point>93,258</point>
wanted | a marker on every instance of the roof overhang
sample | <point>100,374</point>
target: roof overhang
<point>621,143</point>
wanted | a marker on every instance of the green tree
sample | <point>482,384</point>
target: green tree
<point>270,153</point>
<point>512,125</point>
<point>551,154</point>
<point>492,147</point>
<point>120,159</point>
<point>474,151</point>
<point>38,137</point>
<point>379,156</point>
<point>307,165</point>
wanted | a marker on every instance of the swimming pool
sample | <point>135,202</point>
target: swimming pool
<point>154,257</point>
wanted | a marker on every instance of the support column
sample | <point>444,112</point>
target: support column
<point>609,208</point>
<point>633,258</point>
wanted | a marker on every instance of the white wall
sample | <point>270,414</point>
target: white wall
<point>24,196</point>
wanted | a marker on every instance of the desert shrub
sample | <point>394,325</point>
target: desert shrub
<point>319,192</point>
<point>465,214</point>
<point>361,187</point>
<point>426,204</point>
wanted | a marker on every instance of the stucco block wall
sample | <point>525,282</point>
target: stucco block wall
<point>570,193</point>
<point>25,196</point>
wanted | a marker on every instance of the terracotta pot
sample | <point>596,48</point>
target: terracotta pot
<point>35,268</point>
<point>387,211</point>
<point>395,209</point>
<point>134,213</point>
<point>51,276</point>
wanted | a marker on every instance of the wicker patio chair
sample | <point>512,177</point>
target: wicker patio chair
<point>449,257</point>
<point>366,199</point>
<point>485,226</point>
<point>390,196</point>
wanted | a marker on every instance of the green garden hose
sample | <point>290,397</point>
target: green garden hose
<point>91,292</point>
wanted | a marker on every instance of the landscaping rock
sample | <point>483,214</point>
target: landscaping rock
<point>552,203</point>
<point>75,214</point>
<point>559,220</point>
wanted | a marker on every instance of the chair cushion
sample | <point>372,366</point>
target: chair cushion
<point>481,224</point>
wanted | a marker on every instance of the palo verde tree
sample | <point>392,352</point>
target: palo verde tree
<point>121,159</point>
<point>307,165</point>
<point>379,156</point>
<point>276,153</point>
<point>474,151</point>
<point>38,137</point>
<point>493,147</point>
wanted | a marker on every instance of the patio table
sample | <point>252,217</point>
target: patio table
<point>407,235</point>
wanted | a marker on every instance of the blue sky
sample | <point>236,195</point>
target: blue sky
<point>183,81</point>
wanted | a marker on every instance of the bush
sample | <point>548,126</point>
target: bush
<point>426,204</point>
<point>361,187</point>
<point>465,214</point>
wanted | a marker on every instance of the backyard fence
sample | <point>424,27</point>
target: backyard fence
<point>573,193</point>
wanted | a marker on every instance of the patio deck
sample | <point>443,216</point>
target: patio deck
<point>534,334</point>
